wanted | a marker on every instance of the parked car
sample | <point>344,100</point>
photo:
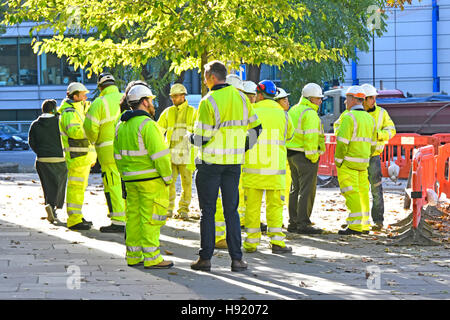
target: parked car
<point>11,138</point>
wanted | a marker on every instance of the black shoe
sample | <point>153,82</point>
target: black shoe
<point>281,250</point>
<point>349,231</point>
<point>292,228</point>
<point>201,265</point>
<point>309,230</point>
<point>263,227</point>
<point>81,226</point>
<point>113,228</point>
<point>140,263</point>
<point>238,265</point>
<point>88,222</point>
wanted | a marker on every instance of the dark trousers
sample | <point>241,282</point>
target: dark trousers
<point>53,178</point>
<point>303,189</point>
<point>376,188</point>
<point>208,179</point>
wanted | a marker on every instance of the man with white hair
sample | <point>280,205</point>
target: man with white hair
<point>385,131</point>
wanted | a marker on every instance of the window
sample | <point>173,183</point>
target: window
<point>327,106</point>
<point>8,62</point>
<point>27,63</point>
<point>57,71</point>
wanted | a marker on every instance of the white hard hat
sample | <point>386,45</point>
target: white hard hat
<point>393,171</point>
<point>281,93</point>
<point>312,90</point>
<point>249,87</point>
<point>76,87</point>
<point>138,92</point>
<point>177,88</point>
<point>369,89</point>
<point>235,81</point>
<point>356,91</point>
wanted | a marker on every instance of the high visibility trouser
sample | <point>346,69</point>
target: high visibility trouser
<point>77,181</point>
<point>241,207</point>
<point>354,186</point>
<point>146,210</point>
<point>186,186</point>
<point>274,216</point>
<point>113,192</point>
<point>220,220</point>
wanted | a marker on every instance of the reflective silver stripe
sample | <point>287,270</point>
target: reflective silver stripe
<point>203,126</point>
<point>286,117</point>
<point>359,160</point>
<point>63,134</point>
<point>354,222</point>
<point>134,249</point>
<point>349,188</point>
<point>308,152</point>
<point>167,179</point>
<point>216,109</point>
<point>104,144</point>
<point>343,140</point>
<point>71,212</point>
<point>388,128</point>
<point>76,179</point>
<point>299,124</point>
<point>74,205</point>
<point>223,151</point>
<point>51,159</point>
<point>272,142</point>
<point>159,217</point>
<point>297,149</point>
<point>134,152</point>
<point>220,224</point>
<point>220,233</point>
<point>149,249</point>
<point>108,117</point>
<point>135,173</point>
<point>118,222</point>
<point>142,151</point>
<point>380,119</point>
<point>360,139</point>
<point>244,108</point>
<point>253,230</point>
<point>118,214</point>
<point>274,230</point>
<point>355,214</point>
<point>117,156</point>
<point>263,171</point>
<point>277,238</point>
<point>309,131</point>
<point>77,149</point>
<point>152,258</point>
<point>117,127</point>
<point>338,160</point>
<point>379,147</point>
<point>252,240</point>
<point>253,118</point>
<point>92,118</point>
<point>355,126</point>
<point>70,125</point>
<point>160,154</point>
<point>231,123</point>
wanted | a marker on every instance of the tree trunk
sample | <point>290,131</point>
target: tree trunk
<point>253,73</point>
<point>204,61</point>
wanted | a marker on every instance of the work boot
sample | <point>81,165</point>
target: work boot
<point>222,244</point>
<point>165,264</point>
<point>281,250</point>
<point>140,263</point>
<point>113,228</point>
<point>183,216</point>
<point>377,227</point>
<point>309,230</point>
<point>83,225</point>
<point>88,222</point>
<point>349,231</point>
<point>50,213</point>
<point>201,265</point>
<point>238,265</point>
<point>251,250</point>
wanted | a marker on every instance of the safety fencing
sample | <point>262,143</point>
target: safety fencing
<point>399,149</point>
<point>429,179</point>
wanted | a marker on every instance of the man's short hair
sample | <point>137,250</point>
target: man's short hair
<point>49,106</point>
<point>217,69</point>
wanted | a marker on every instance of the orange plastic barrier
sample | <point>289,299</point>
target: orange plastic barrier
<point>442,137</point>
<point>401,147</point>
<point>326,161</point>
<point>423,178</point>
<point>442,167</point>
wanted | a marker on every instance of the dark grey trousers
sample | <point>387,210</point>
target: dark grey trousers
<point>53,178</point>
<point>303,190</point>
<point>376,187</point>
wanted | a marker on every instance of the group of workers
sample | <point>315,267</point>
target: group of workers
<point>242,142</point>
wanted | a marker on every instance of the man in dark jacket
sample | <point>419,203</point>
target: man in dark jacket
<point>44,139</point>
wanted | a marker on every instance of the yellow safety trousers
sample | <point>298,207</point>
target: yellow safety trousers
<point>77,181</point>
<point>113,193</point>
<point>186,186</point>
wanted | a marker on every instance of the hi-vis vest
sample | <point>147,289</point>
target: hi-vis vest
<point>140,150</point>
<point>176,122</point>
<point>100,122</point>
<point>77,149</point>
<point>265,163</point>
<point>224,116</point>
<point>385,128</point>
<point>309,136</point>
<point>355,139</point>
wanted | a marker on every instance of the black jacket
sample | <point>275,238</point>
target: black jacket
<point>44,137</point>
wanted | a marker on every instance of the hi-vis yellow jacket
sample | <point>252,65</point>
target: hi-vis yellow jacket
<point>385,128</point>
<point>309,136</point>
<point>265,163</point>
<point>356,139</point>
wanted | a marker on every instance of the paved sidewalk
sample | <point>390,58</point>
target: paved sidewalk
<point>39,260</point>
